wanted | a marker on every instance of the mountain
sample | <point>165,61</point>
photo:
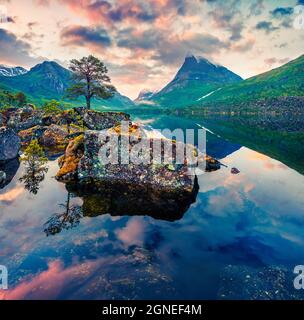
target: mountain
<point>144,95</point>
<point>196,78</point>
<point>49,80</point>
<point>7,71</point>
<point>283,82</point>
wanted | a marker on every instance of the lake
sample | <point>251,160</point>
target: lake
<point>240,239</point>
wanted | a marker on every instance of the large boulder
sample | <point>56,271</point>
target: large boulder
<point>93,172</point>
<point>18,124</point>
<point>83,166</point>
<point>9,144</point>
<point>24,118</point>
<point>95,120</point>
<point>54,136</point>
<point>163,191</point>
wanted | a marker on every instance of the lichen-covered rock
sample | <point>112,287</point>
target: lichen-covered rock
<point>48,120</point>
<point>68,163</point>
<point>28,135</point>
<point>9,112</point>
<point>53,136</point>
<point>89,171</point>
<point>24,118</point>
<point>211,164</point>
<point>9,144</point>
<point>95,120</point>
<point>14,120</point>
<point>163,190</point>
<point>27,110</point>
<point>165,177</point>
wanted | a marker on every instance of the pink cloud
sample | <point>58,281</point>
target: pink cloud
<point>133,232</point>
<point>49,284</point>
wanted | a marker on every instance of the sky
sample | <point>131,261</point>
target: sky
<point>144,42</point>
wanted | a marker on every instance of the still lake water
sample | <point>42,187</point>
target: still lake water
<point>241,239</point>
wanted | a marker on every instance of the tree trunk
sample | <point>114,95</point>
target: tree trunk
<point>88,103</point>
<point>88,97</point>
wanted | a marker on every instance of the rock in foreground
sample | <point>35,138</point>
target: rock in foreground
<point>153,187</point>
<point>83,165</point>
<point>9,144</point>
<point>95,120</point>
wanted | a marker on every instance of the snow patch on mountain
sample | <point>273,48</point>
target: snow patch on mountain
<point>209,94</point>
<point>7,71</point>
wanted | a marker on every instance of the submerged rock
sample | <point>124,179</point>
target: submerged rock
<point>235,171</point>
<point>9,144</point>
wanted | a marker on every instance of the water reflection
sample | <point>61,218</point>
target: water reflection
<point>35,167</point>
<point>119,200</point>
<point>33,177</point>
<point>69,218</point>
<point>240,239</point>
<point>128,200</point>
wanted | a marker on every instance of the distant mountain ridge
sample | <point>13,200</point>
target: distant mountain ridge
<point>145,95</point>
<point>49,80</point>
<point>7,71</point>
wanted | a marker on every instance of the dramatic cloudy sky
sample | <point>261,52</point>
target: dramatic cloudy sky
<point>143,42</point>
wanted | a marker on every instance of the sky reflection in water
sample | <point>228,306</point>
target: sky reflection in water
<point>240,239</point>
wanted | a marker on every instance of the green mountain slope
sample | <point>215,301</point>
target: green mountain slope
<point>285,81</point>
